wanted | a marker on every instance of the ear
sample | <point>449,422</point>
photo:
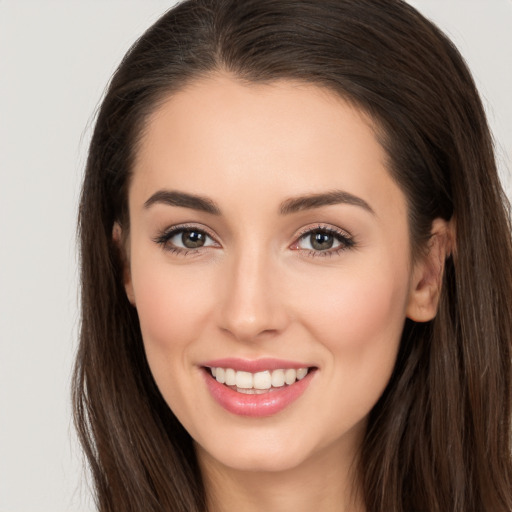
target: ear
<point>121,243</point>
<point>427,275</point>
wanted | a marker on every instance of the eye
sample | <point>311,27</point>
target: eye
<point>184,238</point>
<point>323,240</point>
<point>190,239</point>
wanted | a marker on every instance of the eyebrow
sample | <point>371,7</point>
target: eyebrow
<point>291,205</point>
<point>175,198</point>
<point>307,202</point>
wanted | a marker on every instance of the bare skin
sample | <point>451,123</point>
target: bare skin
<point>253,272</point>
<point>333,490</point>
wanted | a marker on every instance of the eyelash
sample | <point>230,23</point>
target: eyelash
<point>164,238</point>
<point>345,240</point>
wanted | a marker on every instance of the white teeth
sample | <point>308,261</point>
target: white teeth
<point>244,380</point>
<point>301,373</point>
<point>220,375</point>
<point>262,380</point>
<point>290,376</point>
<point>254,383</point>
<point>251,391</point>
<point>230,377</point>
<point>278,378</point>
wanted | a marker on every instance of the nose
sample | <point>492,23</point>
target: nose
<point>252,306</point>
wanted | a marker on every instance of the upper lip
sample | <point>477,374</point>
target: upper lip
<point>254,365</point>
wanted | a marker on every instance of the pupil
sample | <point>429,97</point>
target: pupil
<point>321,241</point>
<point>192,239</point>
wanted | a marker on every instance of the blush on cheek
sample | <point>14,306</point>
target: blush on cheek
<point>169,309</point>
<point>359,313</point>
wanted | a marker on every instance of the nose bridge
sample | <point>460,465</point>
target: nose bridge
<point>251,305</point>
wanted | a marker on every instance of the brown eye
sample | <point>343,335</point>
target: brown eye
<point>185,238</point>
<point>192,239</point>
<point>321,241</point>
<point>324,240</point>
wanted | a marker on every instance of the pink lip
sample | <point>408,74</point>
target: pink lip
<point>256,406</point>
<point>254,366</point>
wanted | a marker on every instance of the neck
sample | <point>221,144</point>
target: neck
<point>324,483</point>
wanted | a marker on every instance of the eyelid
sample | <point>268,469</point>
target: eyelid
<point>323,227</point>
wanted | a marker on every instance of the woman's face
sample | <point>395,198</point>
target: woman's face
<point>267,239</point>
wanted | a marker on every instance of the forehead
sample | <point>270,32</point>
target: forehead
<point>222,106</point>
<point>219,136</point>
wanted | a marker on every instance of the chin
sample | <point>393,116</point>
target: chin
<point>269,455</point>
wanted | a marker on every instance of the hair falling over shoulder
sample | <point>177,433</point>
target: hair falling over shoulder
<point>439,438</point>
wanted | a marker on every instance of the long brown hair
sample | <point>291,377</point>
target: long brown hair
<point>439,438</point>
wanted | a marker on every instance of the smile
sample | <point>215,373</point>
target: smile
<point>256,388</point>
<point>260,382</point>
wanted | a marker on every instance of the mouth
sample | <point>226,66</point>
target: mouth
<point>260,382</point>
<point>256,388</point>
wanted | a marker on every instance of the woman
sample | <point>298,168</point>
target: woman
<point>295,268</point>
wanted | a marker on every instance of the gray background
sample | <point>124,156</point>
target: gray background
<point>55,60</point>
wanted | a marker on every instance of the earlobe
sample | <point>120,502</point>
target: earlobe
<point>427,277</point>
<point>121,243</point>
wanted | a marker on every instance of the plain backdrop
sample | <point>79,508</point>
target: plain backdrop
<point>55,59</point>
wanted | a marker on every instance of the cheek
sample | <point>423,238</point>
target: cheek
<point>171,306</point>
<point>357,309</point>
<point>359,321</point>
<point>361,329</point>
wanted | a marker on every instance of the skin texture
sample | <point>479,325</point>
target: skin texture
<point>256,289</point>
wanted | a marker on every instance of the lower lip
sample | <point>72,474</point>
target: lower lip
<point>256,406</point>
